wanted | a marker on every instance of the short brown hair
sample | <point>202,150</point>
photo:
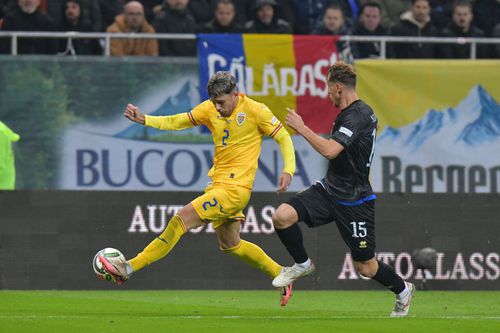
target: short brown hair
<point>342,73</point>
<point>221,83</point>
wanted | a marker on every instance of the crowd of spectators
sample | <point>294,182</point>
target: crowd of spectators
<point>427,18</point>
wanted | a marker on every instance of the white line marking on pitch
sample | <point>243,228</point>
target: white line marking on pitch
<point>248,317</point>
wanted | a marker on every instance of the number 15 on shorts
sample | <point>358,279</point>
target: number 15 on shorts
<point>359,229</point>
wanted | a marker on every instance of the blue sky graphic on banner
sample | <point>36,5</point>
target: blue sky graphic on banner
<point>215,53</point>
<point>186,99</point>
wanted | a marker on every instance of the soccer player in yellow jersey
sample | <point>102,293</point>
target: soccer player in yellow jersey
<point>238,125</point>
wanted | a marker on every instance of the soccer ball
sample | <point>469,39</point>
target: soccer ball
<point>99,270</point>
<point>425,258</point>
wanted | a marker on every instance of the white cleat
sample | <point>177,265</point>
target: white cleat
<point>402,306</point>
<point>289,274</point>
<point>116,267</point>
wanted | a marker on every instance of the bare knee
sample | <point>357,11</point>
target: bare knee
<point>284,216</point>
<point>225,244</point>
<point>189,217</point>
<point>228,235</point>
<point>366,269</point>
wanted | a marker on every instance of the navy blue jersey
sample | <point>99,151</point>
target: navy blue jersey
<point>347,177</point>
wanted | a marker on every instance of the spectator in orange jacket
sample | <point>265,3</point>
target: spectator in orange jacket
<point>133,20</point>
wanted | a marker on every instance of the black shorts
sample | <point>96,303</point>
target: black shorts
<point>316,207</point>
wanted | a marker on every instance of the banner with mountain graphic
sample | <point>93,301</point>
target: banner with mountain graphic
<point>69,114</point>
<point>53,101</point>
<point>439,125</point>
<point>278,70</point>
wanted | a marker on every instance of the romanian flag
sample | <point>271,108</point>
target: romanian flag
<point>278,70</point>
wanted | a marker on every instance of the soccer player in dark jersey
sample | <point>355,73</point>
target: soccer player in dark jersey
<point>344,196</point>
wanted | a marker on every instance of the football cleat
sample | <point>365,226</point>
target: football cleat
<point>289,274</point>
<point>402,305</point>
<point>116,267</point>
<point>285,293</point>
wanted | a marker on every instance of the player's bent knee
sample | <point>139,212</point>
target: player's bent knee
<point>366,271</point>
<point>226,247</point>
<point>280,220</point>
<point>228,243</point>
<point>277,221</point>
<point>229,247</point>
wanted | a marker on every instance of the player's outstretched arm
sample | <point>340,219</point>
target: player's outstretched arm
<point>133,113</point>
<point>328,148</point>
<point>175,122</point>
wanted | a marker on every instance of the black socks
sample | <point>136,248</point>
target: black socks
<point>388,277</point>
<point>291,237</point>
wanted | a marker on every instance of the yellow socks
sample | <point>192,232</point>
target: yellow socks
<point>255,257</point>
<point>161,245</point>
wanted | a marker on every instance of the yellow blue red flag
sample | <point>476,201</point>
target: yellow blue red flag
<point>278,70</point>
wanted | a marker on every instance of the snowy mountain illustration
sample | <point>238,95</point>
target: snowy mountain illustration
<point>456,150</point>
<point>187,97</point>
<point>474,122</point>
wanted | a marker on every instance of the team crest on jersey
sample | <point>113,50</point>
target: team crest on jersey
<point>240,118</point>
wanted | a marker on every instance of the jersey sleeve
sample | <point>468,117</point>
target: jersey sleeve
<point>268,123</point>
<point>349,129</point>
<point>198,115</point>
<point>271,126</point>
<point>169,123</point>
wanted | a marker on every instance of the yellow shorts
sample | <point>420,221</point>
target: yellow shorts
<point>222,203</point>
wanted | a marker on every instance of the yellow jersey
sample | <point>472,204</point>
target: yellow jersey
<point>237,138</point>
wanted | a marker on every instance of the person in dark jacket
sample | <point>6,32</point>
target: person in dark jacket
<point>198,9</point>
<point>333,23</point>
<point>461,26</point>
<point>242,9</point>
<point>309,13</point>
<point>27,17</point>
<point>266,20</point>
<point>416,23</point>
<point>175,18</point>
<point>90,10</point>
<point>72,20</point>
<point>224,19</point>
<point>369,24</point>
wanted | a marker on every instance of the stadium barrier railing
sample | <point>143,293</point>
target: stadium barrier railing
<point>106,37</point>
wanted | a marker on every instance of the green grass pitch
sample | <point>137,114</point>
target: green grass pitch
<point>244,311</point>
